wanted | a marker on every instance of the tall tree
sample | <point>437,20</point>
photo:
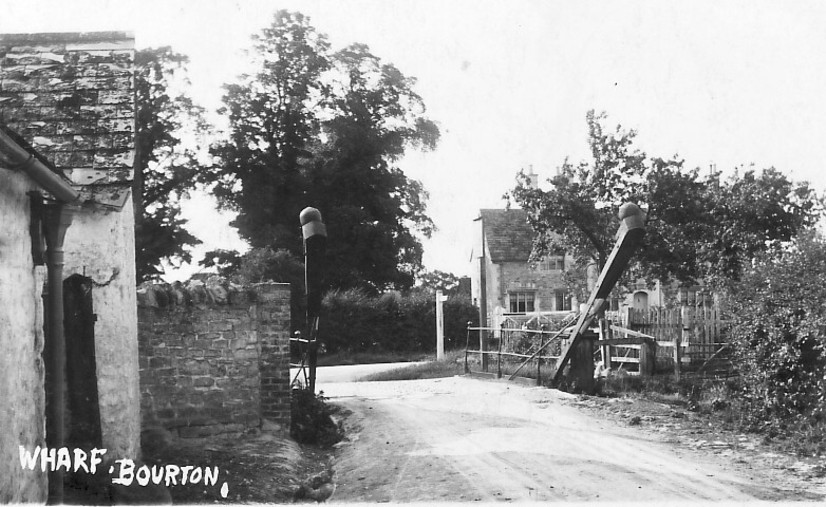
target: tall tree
<point>431,281</point>
<point>754,213</point>
<point>698,229</point>
<point>319,128</point>
<point>165,168</point>
<point>262,166</point>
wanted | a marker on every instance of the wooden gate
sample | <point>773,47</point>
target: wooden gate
<point>698,331</point>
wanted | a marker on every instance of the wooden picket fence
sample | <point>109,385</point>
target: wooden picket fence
<point>686,340</point>
<point>700,332</point>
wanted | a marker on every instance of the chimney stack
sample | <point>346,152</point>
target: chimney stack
<point>533,178</point>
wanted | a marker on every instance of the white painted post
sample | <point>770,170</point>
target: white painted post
<point>440,325</point>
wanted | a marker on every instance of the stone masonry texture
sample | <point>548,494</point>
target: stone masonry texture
<point>214,356</point>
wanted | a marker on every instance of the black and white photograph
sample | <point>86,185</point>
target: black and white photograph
<point>412,251</point>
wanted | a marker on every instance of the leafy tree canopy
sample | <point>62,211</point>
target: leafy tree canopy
<point>431,281</point>
<point>313,127</point>
<point>165,168</point>
<point>697,228</point>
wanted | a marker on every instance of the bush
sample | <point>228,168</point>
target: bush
<point>778,329</point>
<point>311,419</point>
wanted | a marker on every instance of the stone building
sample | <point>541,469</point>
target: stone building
<point>503,281</point>
<point>67,146</point>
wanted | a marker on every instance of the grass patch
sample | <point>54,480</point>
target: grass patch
<point>509,366</point>
<point>373,357</point>
<point>451,365</point>
<point>722,405</point>
<point>701,395</point>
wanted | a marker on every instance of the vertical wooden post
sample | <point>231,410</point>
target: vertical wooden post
<point>626,317</point>
<point>467,345</point>
<point>483,356</point>
<point>605,334</point>
<point>678,356</point>
<point>687,321</point>
<point>483,303</point>
<point>499,353</point>
<point>582,364</point>
<point>648,357</point>
<point>440,325</point>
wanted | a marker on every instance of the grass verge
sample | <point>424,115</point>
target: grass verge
<point>722,403</point>
<point>451,365</point>
<point>342,358</point>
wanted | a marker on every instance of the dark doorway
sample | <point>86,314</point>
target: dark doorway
<point>82,410</point>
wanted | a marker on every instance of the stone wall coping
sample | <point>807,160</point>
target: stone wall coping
<point>215,291</point>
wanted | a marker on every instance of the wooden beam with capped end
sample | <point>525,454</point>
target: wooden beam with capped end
<point>629,237</point>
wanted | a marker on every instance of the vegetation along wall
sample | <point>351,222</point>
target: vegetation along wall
<point>214,357</point>
<point>353,322</point>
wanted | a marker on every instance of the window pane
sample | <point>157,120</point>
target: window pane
<point>563,300</point>
<point>521,302</point>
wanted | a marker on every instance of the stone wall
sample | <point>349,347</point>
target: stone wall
<point>214,358</point>
<point>522,277</point>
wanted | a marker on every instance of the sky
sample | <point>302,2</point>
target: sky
<point>730,83</point>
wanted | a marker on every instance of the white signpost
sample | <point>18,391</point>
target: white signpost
<point>440,325</point>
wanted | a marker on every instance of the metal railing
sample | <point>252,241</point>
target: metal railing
<point>513,349</point>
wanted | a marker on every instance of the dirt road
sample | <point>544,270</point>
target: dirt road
<point>462,439</point>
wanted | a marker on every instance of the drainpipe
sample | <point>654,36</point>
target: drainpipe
<point>57,217</point>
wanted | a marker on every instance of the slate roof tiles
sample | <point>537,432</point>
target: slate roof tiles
<point>509,236</point>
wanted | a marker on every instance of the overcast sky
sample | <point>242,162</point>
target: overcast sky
<point>509,82</point>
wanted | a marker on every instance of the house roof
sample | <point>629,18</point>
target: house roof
<point>508,234</point>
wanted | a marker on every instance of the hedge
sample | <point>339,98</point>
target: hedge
<point>352,322</point>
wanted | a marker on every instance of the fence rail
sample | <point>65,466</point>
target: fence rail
<point>687,340</point>
<point>513,350</point>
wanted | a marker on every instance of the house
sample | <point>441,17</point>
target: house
<point>69,368</point>
<point>503,281</point>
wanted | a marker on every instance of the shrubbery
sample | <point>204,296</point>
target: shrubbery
<point>311,421</point>
<point>354,322</point>
<point>778,330</point>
